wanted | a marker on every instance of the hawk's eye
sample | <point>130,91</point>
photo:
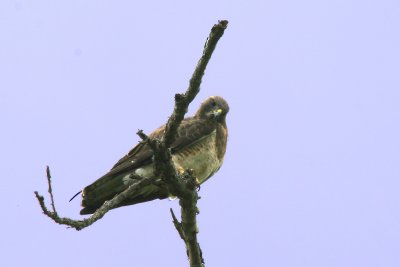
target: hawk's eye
<point>213,103</point>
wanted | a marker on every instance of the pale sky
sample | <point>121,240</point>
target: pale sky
<point>312,172</point>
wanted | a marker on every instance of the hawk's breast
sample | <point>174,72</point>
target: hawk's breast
<point>201,157</point>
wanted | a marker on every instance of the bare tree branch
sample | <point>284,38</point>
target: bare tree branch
<point>108,205</point>
<point>184,185</point>
<point>182,101</point>
<point>181,184</point>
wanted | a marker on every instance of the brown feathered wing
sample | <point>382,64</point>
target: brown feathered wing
<point>191,131</point>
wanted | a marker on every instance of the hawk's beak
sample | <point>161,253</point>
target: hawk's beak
<point>217,112</point>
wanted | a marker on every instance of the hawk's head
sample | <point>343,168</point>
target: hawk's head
<point>213,108</point>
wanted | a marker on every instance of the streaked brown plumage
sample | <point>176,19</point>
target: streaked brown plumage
<point>200,145</point>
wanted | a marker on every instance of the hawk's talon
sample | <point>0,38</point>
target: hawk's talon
<point>181,170</point>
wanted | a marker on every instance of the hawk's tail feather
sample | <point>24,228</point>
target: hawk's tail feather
<point>105,188</point>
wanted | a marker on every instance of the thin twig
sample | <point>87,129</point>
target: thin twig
<point>50,190</point>
<point>177,224</point>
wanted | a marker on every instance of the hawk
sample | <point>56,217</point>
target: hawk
<point>200,145</point>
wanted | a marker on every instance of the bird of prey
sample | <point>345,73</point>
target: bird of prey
<point>199,145</point>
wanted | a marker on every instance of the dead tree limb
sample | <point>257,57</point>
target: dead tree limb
<point>181,184</point>
<point>184,185</point>
<point>108,205</point>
